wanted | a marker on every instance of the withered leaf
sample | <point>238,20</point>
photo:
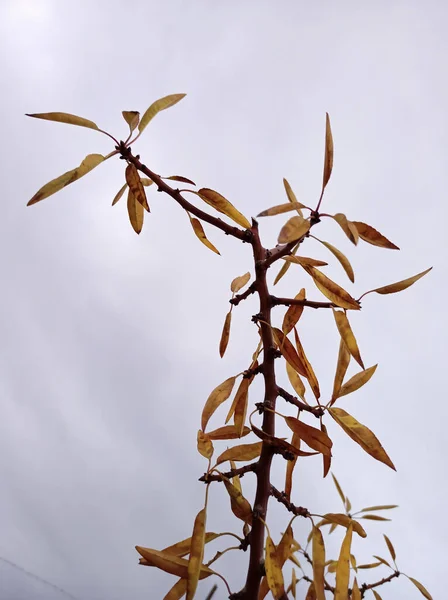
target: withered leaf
<point>372,236</point>
<point>343,568</point>
<point>318,563</point>
<point>223,206</point>
<point>136,186</point>
<point>170,563</point>
<point>196,553</point>
<point>341,258</point>
<point>132,118</point>
<point>280,209</point>
<point>227,432</point>
<point>341,370</point>
<point>314,438</point>
<point>119,194</point>
<point>274,573</point>
<point>200,234</point>
<point>241,507</point>
<point>62,117</point>
<point>216,398</point>
<point>310,375</point>
<point>239,282</point>
<point>357,381</point>
<point>180,178</point>
<point>205,445</point>
<point>332,290</point>
<point>399,285</point>
<point>421,588</point>
<point>293,313</point>
<point>225,334</point>
<point>244,452</point>
<point>347,227</point>
<point>157,106</point>
<point>329,152</point>
<point>288,351</point>
<point>347,335</point>
<point>135,212</point>
<point>293,230</point>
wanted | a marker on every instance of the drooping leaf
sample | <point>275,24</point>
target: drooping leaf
<point>241,507</point>
<point>288,351</point>
<point>341,370</point>
<point>341,258</point>
<point>318,563</point>
<point>343,568</point>
<point>244,452</point>
<point>170,563</point>
<point>382,560</point>
<point>293,583</point>
<point>274,573</point>
<point>205,445</point>
<point>377,596</point>
<point>314,438</point>
<point>200,234</point>
<point>157,106</point>
<point>293,313</point>
<point>280,209</point>
<point>119,194</point>
<point>311,593</point>
<point>379,507</point>
<point>356,593</point>
<point>339,489</point>
<point>310,375</point>
<point>280,444</point>
<point>196,553</point>
<point>390,547</point>
<point>90,162</point>
<point>348,505</point>
<point>284,268</point>
<point>132,118</point>
<point>399,285</point>
<point>225,334</point>
<point>353,562</point>
<point>347,227</point>
<point>240,398</point>
<point>180,178</point>
<point>136,186</point>
<point>362,435</point>
<point>305,261</point>
<point>347,335</point>
<point>135,212</point>
<point>357,381</point>
<point>290,464</point>
<point>370,565</point>
<point>325,458</point>
<point>295,381</point>
<point>178,590</point>
<point>332,290</point>
<point>182,548</point>
<point>62,117</point>
<point>216,398</point>
<point>421,588</point>
<point>223,206</point>
<point>294,229</point>
<point>345,521</point>
<point>227,432</point>
<point>239,282</point>
<point>372,236</point>
<point>374,518</point>
<point>329,151</point>
<point>146,181</point>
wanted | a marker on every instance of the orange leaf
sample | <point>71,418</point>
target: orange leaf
<point>315,438</point>
<point>274,573</point>
<point>326,459</point>
<point>136,186</point>
<point>227,432</point>
<point>288,351</point>
<point>332,290</point>
<point>347,335</point>
<point>290,464</point>
<point>178,590</point>
<point>362,435</point>
<point>347,227</point>
<point>294,229</point>
<point>341,370</point>
<point>216,398</point>
<point>243,452</point>
<point>304,261</point>
<point>293,313</point>
<point>372,236</point>
<point>225,334</point>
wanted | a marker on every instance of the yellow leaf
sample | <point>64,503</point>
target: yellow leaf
<point>339,489</point>
<point>178,590</point>
<point>345,521</point>
<point>180,178</point>
<point>90,162</point>
<point>377,596</point>
<point>318,563</point>
<point>288,351</point>
<point>304,261</point>
<point>228,432</point>
<point>325,458</point>
<point>399,285</point>
<point>295,381</point>
<point>223,206</point>
<point>225,334</point>
<point>329,151</point>
<point>356,593</point>
<point>196,553</point>
<point>135,212</point>
<point>293,583</point>
<point>285,266</point>
<point>170,563</point>
<point>236,479</point>
<point>119,194</point>
<point>240,397</point>
<point>282,554</point>
<point>382,560</point>
<point>182,548</point>
<point>241,400</point>
<point>311,593</point>
<point>343,568</point>
<point>357,381</point>
<point>293,313</point>
<point>370,565</point>
<point>290,464</point>
<point>216,398</point>
<point>280,443</point>
<point>390,547</point>
<point>146,181</point>
<point>241,508</point>
<point>353,562</point>
<point>347,227</point>
<point>157,106</point>
<point>239,282</point>
<point>293,230</point>
<point>332,290</point>
<point>200,234</point>
<point>136,186</point>
<point>274,573</point>
<point>205,446</point>
<point>332,566</point>
<point>362,435</point>
<point>62,117</point>
<point>280,209</point>
<point>374,518</point>
<point>242,452</point>
<point>421,588</point>
<point>341,258</point>
<point>372,236</point>
<point>347,335</point>
<point>341,370</point>
<point>310,375</point>
<point>315,438</point>
<point>380,507</point>
<point>132,118</point>
<point>292,197</point>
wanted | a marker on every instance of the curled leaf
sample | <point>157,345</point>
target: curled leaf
<point>304,261</point>
<point>136,186</point>
<point>227,432</point>
<point>132,118</point>
<point>372,236</point>
<point>339,489</point>
<point>215,399</point>
<point>223,206</point>
<point>329,151</point>
<point>341,258</point>
<point>178,590</point>
<point>347,227</point>
<point>288,351</point>
<point>157,106</point>
<point>170,563</point>
<point>310,375</point>
<point>293,230</point>
<point>241,507</point>
<point>182,548</point>
<point>315,438</point>
<point>274,573</point>
<point>361,434</point>
<point>180,178</point>
<point>205,445</point>
<point>345,521</point>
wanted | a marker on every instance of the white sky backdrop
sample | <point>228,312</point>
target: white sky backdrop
<point>109,340</point>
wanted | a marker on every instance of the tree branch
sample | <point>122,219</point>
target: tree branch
<point>317,411</point>
<point>206,478</point>
<point>295,510</point>
<point>240,234</point>
<point>296,302</point>
<point>369,586</point>
<point>240,297</point>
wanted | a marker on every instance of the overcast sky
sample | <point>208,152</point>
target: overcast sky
<point>110,340</point>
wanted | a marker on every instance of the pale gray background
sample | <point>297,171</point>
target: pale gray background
<point>109,340</point>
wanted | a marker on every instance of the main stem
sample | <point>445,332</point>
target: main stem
<point>263,470</point>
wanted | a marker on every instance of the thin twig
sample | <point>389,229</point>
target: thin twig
<point>206,478</point>
<point>317,411</point>
<point>297,302</point>
<point>299,511</point>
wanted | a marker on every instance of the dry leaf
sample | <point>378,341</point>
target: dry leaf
<point>421,588</point>
<point>205,446</point>
<point>310,375</point>
<point>343,568</point>
<point>341,370</point>
<point>332,290</point>
<point>62,117</point>
<point>329,151</point>
<point>227,432</point>
<point>136,186</point>
<point>318,564</point>
<point>315,438</point>
<point>119,194</point>
<point>225,334</point>
<point>341,258</point>
<point>170,563</point>
<point>135,212</point>
<point>132,117</point>
<point>304,261</point>
<point>288,351</point>
<point>239,282</point>
<point>293,230</point>
<point>347,227</point>
<point>347,335</point>
<point>356,593</point>
<point>293,313</point>
<point>241,508</point>
<point>372,236</point>
<point>274,573</point>
<point>223,206</point>
<point>180,178</point>
<point>200,234</point>
<point>280,209</point>
<point>399,285</point>
<point>216,398</point>
<point>178,590</point>
<point>196,553</point>
<point>157,106</point>
<point>243,452</point>
<point>295,381</point>
<point>380,507</point>
<point>390,547</point>
<point>182,548</point>
<point>357,381</point>
<point>345,521</point>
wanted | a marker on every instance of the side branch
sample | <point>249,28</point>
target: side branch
<point>240,297</point>
<point>280,251</point>
<point>317,411</point>
<point>236,232</point>
<point>299,511</point>
<point>206,478</point>
<point>369,586</point>
<point>296,302</point>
